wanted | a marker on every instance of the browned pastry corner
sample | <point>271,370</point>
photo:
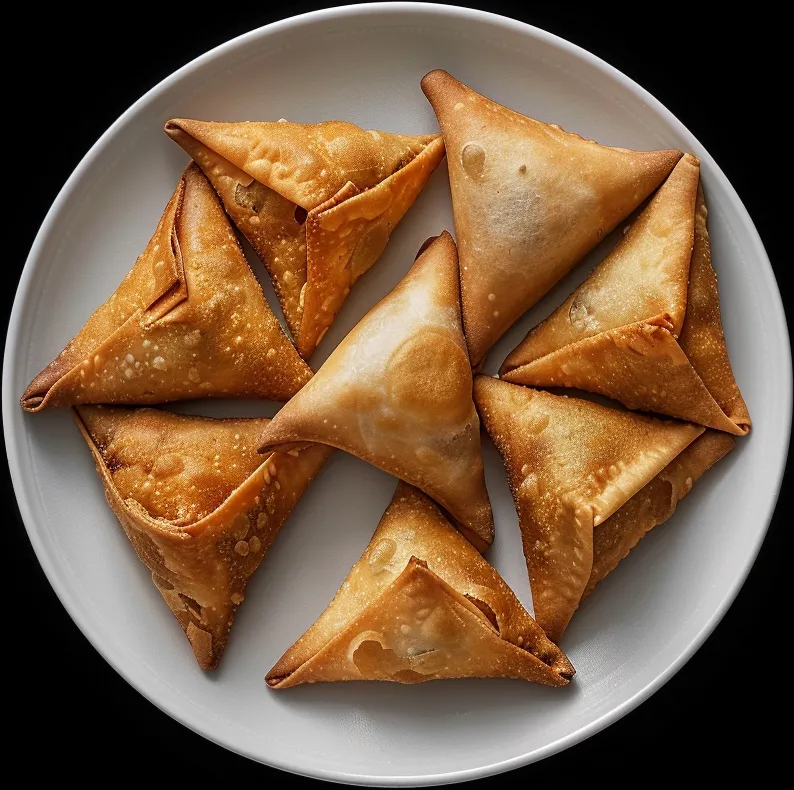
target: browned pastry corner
<point>199,504</point>
<point>645,327</point>
<point>188,321</point>
<point>577,468</point>
<point>318,202</point>
<point>529,199</point>
<point>653,504</point>
<point>421,604</point>
<point>396,392</point>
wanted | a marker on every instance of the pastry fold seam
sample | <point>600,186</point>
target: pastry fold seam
<point>352,187</point>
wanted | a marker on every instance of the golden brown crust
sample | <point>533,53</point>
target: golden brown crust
<point>645,327</point>
<point>317,202</point>
<point>396,392</point>
<point>345,239</point>
<point>702,338</point>
<point>529,199</point>
<point>306,163</point>
<point>651,263</point>
<point>571,464</point>
<point>188,321</point>
<point>421,604</point>
<point>653,504</point>
<point>641,365</point>
<point>198,504</point>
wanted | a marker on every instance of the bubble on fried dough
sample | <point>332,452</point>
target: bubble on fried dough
<point>473,159</point>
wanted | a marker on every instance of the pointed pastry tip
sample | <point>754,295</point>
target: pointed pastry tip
<point>99,421</point>
<point>442,245</point>
<point>177,127</point>
<point>437,81</point>
<point>425,244</point>
<point>174,126</point>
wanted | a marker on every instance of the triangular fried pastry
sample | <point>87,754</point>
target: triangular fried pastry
<point>199,504</point>
<point>653,504</point>
<point>188,321</point>
<point>529,199</point>
<point>571,464</point>
<point>318,202</point>
<point>421,604</point>
<point>645,327</point>
<point>396,392</point>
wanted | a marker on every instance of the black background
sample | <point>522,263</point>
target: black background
<point>720,73</point>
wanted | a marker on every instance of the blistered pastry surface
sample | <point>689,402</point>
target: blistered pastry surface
<point>529,201</point>
<point>645,276</point>
<point>394,619</point>
<point>397,393</point>
<point>653,504</point>
<point>316,201</point>
<point>177,467</point>
<point>205,330</point>
<point>198,510</point>
<point>306,163</point>
<point>413,526</point>
<point>571,464</point>
<point>645,327</point>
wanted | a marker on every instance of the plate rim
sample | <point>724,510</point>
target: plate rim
<point>13,435</point>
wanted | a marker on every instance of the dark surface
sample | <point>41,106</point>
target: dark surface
<point>72,716</point>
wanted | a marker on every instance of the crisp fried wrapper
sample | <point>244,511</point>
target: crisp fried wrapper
<point>653,504</point>
<point>198,503</point>
<point>188,321</point>
<point>571,465</point>
<point>421,604</point>
<point>318,202</point>
<point>529,199</point>
<point>396,392</point>
<point>645,327</point>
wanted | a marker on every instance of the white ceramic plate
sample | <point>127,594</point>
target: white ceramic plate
<point>630,637</point>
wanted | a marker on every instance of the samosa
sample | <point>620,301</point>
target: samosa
<point>588,482</point>
<point>421,604</point>
<point>188,321</point>
<point>645,328</point>
<point>396,392</point>
<point>317,202</point>
<point>199,505</point>
<point>529,199</point>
